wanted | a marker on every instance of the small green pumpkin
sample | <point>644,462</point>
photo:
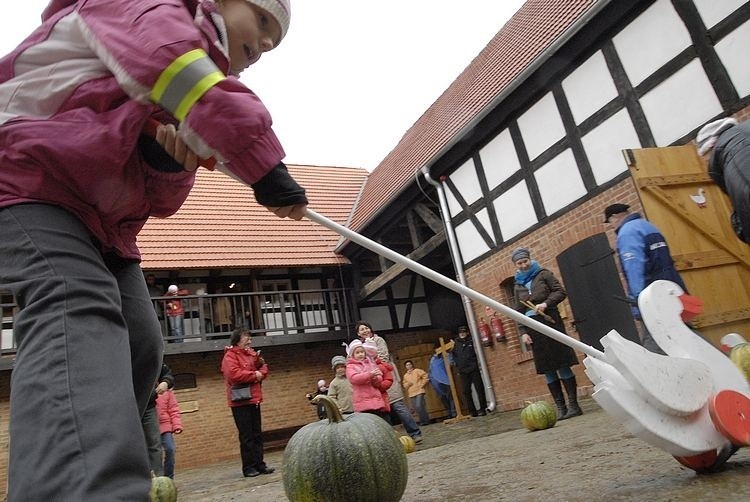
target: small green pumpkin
<point>340,460</point>
<point>163,489</point>
<point>539,415</point>
<point>408,442</point>
<point>740,356</point>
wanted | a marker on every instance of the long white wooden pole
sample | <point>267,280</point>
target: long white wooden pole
<point>452,285</point>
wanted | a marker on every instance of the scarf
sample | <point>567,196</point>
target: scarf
<point>524,278</point>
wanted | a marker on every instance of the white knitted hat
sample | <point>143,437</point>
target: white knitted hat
<point>350,348</point>
<point>281,10</point>
<point>370,348</point>
<point>709,133</point>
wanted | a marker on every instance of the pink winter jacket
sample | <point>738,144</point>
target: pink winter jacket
<point>169,412</point>
<point>368,393</point>
<point>74,97</point>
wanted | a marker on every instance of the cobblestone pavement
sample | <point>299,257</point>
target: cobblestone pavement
<point>493,458</point>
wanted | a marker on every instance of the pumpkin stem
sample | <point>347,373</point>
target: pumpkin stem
<point>332,410</point>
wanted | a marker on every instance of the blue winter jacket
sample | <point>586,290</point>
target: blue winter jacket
<point>437,373</point>
<point>644,255</point>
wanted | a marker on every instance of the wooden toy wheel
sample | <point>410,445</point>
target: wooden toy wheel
<point>730,414</point>
<point>703,462</point>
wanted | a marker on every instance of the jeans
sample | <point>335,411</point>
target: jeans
<point>177,327</point>
<point>150,423</point>
<point>89,352</point>
<point>169,447</point>
<point>400,409</point>
<point>419,404</point>
<point>444,392</point>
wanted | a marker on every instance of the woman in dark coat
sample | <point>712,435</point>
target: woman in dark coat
<point>552,359</point>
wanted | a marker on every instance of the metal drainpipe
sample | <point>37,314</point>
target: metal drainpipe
<point>461,279</point>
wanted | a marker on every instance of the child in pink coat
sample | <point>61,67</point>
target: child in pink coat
<point>369,382</point>
<point>170,422</point>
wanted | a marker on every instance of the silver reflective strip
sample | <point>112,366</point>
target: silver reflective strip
<point>185,81</point>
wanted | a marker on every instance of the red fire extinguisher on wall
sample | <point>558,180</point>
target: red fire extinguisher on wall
<point>497,328</point>
<point>484,332</point>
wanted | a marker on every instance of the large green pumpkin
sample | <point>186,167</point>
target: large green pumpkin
<point>341,460</point>
<point>539,415</point>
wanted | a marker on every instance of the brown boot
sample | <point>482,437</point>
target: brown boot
<point>571,387</point>
<point>555,388</point>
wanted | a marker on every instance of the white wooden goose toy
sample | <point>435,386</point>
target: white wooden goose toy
<point>693,403</point>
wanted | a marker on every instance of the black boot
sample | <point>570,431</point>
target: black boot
<point>555,388</point>
<point>571,387</point>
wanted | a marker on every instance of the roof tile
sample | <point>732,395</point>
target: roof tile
<point>525,37</point>
<point>221,226</point>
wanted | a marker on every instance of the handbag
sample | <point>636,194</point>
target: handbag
<point>240,392</point>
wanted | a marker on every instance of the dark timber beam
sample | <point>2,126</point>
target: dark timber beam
<point>434,222</point>
<point>395,270</point>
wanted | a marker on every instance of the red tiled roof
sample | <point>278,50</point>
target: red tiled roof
<point>221,226</point>
<point>525,37</point>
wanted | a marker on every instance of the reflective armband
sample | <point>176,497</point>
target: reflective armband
<point>184,81</point>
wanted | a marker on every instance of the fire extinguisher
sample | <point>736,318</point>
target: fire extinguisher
<point>484,332</point>
<point>497,328</point>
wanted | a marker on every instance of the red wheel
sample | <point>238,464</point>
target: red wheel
<point>703,462</point>
<point>730,414</point>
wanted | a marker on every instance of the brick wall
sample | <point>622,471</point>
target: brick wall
<point>512,371</point>
<point>210,435</point>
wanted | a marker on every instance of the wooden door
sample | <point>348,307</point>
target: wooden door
<point>420,355</point>
<point>713,262</point>
<point>595,292</point>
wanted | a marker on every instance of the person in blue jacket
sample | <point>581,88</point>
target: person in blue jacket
<point>644,257</point>
<point>439,379</point>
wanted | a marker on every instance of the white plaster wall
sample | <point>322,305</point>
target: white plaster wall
<point>378,317</point>
<point>713,11</point>
<point>484,219</point>
<point>589,87</point>
<point>400,287</point>
<point>420,315</point>
<point>651,40</point>
<point>379,296</point>
<point>470,242</point>
<point>465,179</point>
<point>605,143</point>
<point>541,126</point>
<point>514,210</point>
<point>559,182</point>
<point>680,104</point>
<point>453,205</point>
<point>733,52</point>
<point>499,159</point>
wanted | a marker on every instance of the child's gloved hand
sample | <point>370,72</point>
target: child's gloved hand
<point>166,136</point>
<point>281,194</point>
<point>295,212</point>
<point>164,151</point>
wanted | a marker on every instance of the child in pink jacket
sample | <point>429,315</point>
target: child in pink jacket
<point>170,422</point>
<point>369,382</point>
<point>80,175</point>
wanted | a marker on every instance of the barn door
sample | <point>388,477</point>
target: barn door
<point>714,263</point>
<point>420,355</point>
<point>595,293</point>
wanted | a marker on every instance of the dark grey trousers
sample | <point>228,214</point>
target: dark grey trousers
<point>89,352</point>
